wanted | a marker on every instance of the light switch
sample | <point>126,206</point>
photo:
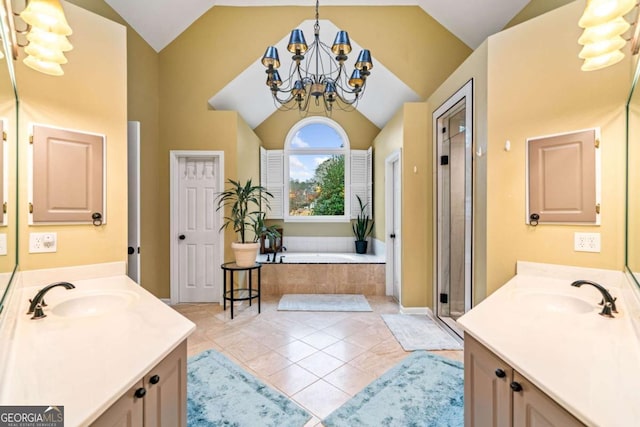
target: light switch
<point>3,243</point>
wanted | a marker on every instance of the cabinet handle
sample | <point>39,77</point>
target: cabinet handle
<point>500,373</point>
<point>154,379</point>
<point>140,392</point>
<point>515,386</point>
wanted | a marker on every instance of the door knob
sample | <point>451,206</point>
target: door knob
<point>130,250</point>
<point>533,219</point>
<point>182,237</point>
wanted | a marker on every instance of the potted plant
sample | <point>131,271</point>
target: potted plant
<point>266,233</point>
<point>362,228</point>
<point>246,215</point>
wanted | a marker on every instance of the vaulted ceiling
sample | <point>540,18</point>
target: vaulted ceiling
<point>159,22</point>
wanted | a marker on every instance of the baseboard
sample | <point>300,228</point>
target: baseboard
<point>416,310</point>
<point>165,300</point>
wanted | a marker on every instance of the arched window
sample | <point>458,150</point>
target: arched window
<point>316,171</point>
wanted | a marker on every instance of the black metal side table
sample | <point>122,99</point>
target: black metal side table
<point>230,295</point>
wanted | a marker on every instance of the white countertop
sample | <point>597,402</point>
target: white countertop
<point>85,363</point>
<point>588,363</point>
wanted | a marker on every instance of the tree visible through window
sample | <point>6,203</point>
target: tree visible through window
<point>316,154</point>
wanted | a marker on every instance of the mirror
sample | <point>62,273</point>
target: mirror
<point>633,179</point>
<point>8,176</point>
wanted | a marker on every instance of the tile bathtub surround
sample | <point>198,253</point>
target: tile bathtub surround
<point>320,360</point>
<point>366,279</point>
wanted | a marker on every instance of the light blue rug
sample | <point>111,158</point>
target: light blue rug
<point>220,393</point>
<point>323,302</point>
<point>422,390</point>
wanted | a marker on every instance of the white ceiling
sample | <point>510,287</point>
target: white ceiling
<point>159,22</point>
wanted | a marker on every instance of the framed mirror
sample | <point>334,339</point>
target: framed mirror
<point>8,174</point>
<point>633,179</point>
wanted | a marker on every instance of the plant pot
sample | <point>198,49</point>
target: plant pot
<point>245,253</point>
<point>361,246</point>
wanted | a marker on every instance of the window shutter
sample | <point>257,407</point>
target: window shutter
<point>361,180</point>
<point>272,178</point>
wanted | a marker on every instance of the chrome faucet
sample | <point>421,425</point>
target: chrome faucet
<point>37,302</point>
<point>608,302</point>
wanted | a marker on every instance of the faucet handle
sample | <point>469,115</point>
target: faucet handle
<point>606,310</point>
<point>612,304</point>
<point>38,313</point>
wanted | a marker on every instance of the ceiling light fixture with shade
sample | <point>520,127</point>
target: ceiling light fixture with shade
<point>604,24</point>
<point>45,35</point>
<point>316,73</point>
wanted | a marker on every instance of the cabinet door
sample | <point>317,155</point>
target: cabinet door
<point>166,400</point>
<point>126,412</point>
<point>533,408</point>
<point>487,394</point>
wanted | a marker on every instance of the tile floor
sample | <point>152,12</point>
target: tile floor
<point>320,360</point>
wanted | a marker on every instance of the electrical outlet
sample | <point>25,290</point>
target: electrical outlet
<point>3,243</point>
<point>43,242</point>
<point>586,242</point>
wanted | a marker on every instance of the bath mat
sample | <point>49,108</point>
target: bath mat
<point>422,390</point>
<point>323,302</point>
<point>220,393</point>
<point>415,332</point>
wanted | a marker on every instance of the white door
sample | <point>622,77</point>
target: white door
<point>395,232</point>
<point>393,212</point>
<point>197,231</point>
<point>133,175</point>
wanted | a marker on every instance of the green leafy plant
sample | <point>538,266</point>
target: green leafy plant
<point>363,225</point>
<point>261,229</point>
<point>247,203</point>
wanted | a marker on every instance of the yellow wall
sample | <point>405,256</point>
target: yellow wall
<point>535,8</point>
<point>536,88</point>
<point>388,140</point>
<point>417,234</point>
<point>91,97</point>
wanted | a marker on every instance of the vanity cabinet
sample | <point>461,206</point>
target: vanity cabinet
<point>159,399</point>
<point>496,395</point>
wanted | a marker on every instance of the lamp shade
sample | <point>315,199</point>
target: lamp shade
<point>49,40</point>
<point>271,57</point>
<point>46,15</point>
<point>364,60</point>
<point>298,88</point>
<point>274,79</point>
<point>330,91</point>
<point>592,64</point>
<point>592,50</point>
<point>45,54</point>
<point>297,42</point>
<point>356,79</point>
<point>341,45</point>
<point>51,68</point>
<point>604,31</point>
<point>599,12</point>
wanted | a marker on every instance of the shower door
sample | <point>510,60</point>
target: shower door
<point>453,125</point>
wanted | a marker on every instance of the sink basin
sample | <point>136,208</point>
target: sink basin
<point>93,303</point>
<point>557,303</point>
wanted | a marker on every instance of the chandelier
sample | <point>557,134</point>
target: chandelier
<point>315,73</point>
<point>45,33</point>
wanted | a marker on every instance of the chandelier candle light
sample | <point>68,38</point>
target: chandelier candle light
<point>311,75</point>
<point>46,35</point>
<point>603,22</point>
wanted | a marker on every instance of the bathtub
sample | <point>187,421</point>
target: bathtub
<point>323,273</point>
<point>323,258</point>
